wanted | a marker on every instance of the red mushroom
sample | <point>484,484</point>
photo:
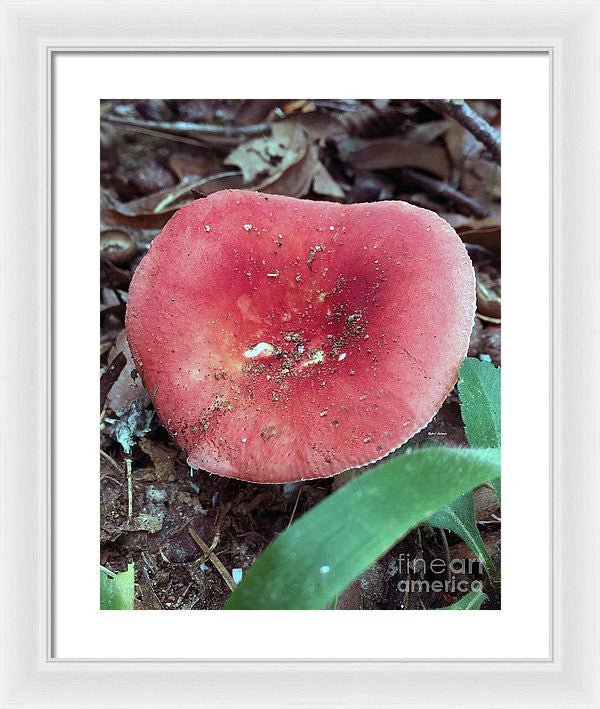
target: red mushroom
<point>284,339</point>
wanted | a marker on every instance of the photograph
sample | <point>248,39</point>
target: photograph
<point>300,354</point>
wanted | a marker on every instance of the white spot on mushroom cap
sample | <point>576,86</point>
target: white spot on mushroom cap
<point>262,349</point>
<point>342,357</point>
<point>317,358</point>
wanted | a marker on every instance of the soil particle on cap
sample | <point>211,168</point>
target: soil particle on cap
<point>313,252</point>
<point>339,284</point>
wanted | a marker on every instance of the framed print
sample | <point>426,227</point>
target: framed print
<point>287,289</point>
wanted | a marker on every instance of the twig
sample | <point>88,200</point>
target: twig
<point>188,187</point>
<point>196,142</point>
<point>111,461</point>
<point>295,507</point>
<point>473,122</point>
<point>129,488</point>
<point>207,129</point>
<point>216,562</point>
<point>437,188</point>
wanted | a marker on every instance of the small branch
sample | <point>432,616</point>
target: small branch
<point>129,488</point>
<point>437,188</point>
<point>295,508</point>
<point>207,129</point>
<point>111,461</point>
<point>226,576</point>
<point>473,122</point>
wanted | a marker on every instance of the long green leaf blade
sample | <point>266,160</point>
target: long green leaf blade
<point>479,391</point>
<point>117,593</point>
<point>471,602</point>
<point>497,483</point>
<point>333,543</point>
<point>459,517</point>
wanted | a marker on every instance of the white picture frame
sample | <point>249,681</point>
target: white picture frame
<point>30,33</point>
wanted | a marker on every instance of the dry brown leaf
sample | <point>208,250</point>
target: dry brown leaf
<point>483,232</point>
<point>255,110</point>
<point>390,153</point>
<point>481,179</point>
<point>163,459</point>
<point>288,162</point>
<point>154,211</point>
<point>424,133</point>
<point>455,142</point>
<point>186,164</point>
<point>489,303</point>
<point>295,180</point>
<point>270,155</point>
<point>126,388</point>
<point>324,184</point>
<point>485,502</point>
<point>319,125</point>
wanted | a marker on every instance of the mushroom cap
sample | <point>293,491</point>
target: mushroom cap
<point>284,339</point>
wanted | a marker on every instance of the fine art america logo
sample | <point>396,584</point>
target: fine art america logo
<point>413,573</point>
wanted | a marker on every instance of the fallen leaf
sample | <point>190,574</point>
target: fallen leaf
<point>394,152</point>
<point>127,387</point>
<point>269,154</point>
<point>154,211</point>
<point>324,184</point>
<point>424,133</point>
<point>488,298</point>
<point>163,459</point>
<point>199,165</point>
<point>110,376</point>
<point>483,232</point>
<point>296,177</point>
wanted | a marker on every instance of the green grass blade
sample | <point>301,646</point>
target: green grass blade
<point>333,543</point>
<point>498,488</point>
<point>459,517</point>
<point>471,602</point>
<point>117,593</point>
<point>479,391</point>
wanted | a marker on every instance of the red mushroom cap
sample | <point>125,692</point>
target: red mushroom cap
<point>285,339</point>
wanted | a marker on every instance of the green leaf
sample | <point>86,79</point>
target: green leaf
<point>471,602</point>
<point>498,488</point>
<point>117,592</point>
<point>459,517</point>
<point>335,541</point>
<point>479,390</point>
